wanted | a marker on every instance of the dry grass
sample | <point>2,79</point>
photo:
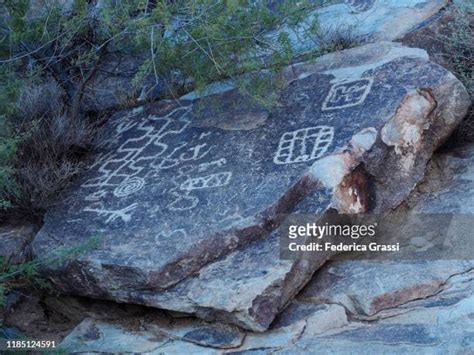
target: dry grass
<point>51,151</point>
<point>458,56</point>
<point>336,38</point>
<point>449,40</point>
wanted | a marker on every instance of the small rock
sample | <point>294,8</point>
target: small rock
<point>96,336</point>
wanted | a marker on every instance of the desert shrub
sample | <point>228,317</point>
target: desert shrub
<point>182,43</point>
<point>14,276</point>
<point>458,56</point>
<point>49,148</point>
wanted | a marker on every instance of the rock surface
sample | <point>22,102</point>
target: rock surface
<point>180,190</point>
<point>373,20</point>
<point>365,288</point>
<point>449,186</point>
<point>438,323</point>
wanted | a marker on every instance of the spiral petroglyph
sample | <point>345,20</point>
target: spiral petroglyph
<point>129,187</point>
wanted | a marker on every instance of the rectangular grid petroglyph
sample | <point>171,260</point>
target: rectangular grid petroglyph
<point>303,144</point>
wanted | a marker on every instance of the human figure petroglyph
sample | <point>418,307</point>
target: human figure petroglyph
<point>125,214</point>
<point>303,144</point>
<point>347,94</point>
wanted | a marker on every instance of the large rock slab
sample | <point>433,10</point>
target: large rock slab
<point>367,20</point>
<point>365,288</point>
<point>182,188</point>
<point>440,323</point>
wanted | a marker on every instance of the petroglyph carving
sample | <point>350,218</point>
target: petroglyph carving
<point>138,153</point>
<point>178,234</point>
<point>206,182</point>
<point>129,186</point>
<point>183,202</point>
<point>146,154</point>
<point>189,179</point>
<point>347,94</point>
<point>217,163</point>
<point>96,195</point>
<point>303,144</point>
<point>124,172</point>
<point>125,214</point>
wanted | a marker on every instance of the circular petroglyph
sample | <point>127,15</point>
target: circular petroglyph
<point>129,186</point>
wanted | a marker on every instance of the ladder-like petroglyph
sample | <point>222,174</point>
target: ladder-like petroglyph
<point>143,156</point>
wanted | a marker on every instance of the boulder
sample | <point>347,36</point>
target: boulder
<point>366,287</point>
<point>186,196</point>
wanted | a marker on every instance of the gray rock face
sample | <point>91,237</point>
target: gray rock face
<point>373,20</point>
<point>438,323</point>
<point>182,189</point>
<point>365,288</point>
<point>449,187</point>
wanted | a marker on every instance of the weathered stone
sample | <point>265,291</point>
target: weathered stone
<point>449,184</point>
<point>15,242</point>
<point>365,288</point>
<point>372,20</point>
<point>182,184</point>
<point>439,323</point>
<point>96,336</point>
<point>214,335</point>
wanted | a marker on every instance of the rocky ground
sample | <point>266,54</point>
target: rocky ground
<point>384,110</point>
